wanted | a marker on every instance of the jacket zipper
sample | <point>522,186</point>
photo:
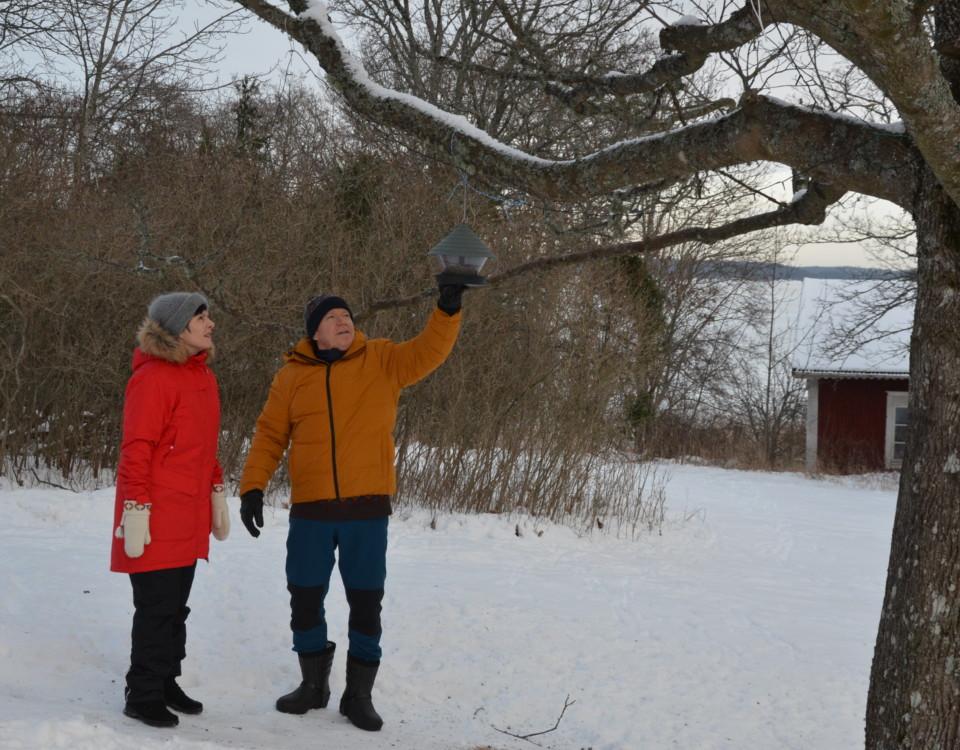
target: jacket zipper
<point>333,434</point>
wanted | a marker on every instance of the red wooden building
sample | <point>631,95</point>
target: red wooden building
<point>857,415</point>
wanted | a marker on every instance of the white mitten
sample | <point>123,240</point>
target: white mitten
<point>220,513</point>
<point>134,527</point>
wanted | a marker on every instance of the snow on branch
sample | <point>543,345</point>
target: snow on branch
<point>887,39</point>
<point>856,156</point>
<point>892,45</point>
<point>701,39</point>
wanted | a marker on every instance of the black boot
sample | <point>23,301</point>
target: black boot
<point>356,703</point>
<point>178,700</point>
<point>314,691</point>
<point>152,712</point>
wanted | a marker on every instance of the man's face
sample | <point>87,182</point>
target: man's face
<point>198,335</point>
<point>335,330</point>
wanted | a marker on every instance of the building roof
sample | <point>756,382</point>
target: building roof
<point>836,336</point>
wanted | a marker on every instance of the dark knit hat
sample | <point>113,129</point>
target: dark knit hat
<point>173,311</point>
<point>318,307</point>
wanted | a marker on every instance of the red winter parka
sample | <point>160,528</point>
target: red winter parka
<point>168,455</point>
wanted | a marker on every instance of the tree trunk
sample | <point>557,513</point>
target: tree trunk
<point>914,699</point>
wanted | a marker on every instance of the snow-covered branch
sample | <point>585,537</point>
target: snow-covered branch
<point>701,39</point>
<point>833,150</point>
<point>890,44</point>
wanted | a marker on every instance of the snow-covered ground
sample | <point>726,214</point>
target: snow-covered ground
<point>748,624</point>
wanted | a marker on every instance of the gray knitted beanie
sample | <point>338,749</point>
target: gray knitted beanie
<point>173,311</point>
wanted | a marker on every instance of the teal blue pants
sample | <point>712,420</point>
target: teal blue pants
<point>312,549</point>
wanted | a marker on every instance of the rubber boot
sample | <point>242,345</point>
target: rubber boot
<point>356,703</point>
<point>178,700</point>
<point>314,691</point>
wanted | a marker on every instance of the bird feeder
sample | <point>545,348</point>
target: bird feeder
<point>459,256</point>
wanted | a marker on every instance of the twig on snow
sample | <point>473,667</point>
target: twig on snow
<point>50,484</point>
<point>566,704</point>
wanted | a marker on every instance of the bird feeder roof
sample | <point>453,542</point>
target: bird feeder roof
<point>462,241</point>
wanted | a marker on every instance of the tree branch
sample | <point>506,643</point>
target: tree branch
<point>832,150</point>
<point>810,207</point>
<point>742,26</point>
<point>667,69</point>
<point>576,90</point>
<point>277,18</point>
<point>890,45</point>
<point>583,103</point>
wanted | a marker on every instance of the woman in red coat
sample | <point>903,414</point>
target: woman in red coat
<point>169,495</point>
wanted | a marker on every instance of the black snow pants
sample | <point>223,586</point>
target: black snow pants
<point>159,635</point>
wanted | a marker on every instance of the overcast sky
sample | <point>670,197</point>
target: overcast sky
<point>261,49</point>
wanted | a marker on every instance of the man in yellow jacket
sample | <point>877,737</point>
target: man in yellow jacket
<point>334,403</point>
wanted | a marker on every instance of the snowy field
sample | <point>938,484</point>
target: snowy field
<point>748,624</point>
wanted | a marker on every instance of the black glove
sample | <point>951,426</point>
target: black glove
<point>251,509</point>
<point>451,293</point>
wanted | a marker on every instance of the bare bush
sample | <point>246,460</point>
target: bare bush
<point>259,204</point>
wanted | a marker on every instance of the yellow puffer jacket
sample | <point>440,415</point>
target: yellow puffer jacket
<point>339,418</point>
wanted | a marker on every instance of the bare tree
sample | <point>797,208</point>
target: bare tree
<point>909,51</point>
<point>122,53</point>
<point>26,27</point>
<point>891,241</point>
<point>764,392</point>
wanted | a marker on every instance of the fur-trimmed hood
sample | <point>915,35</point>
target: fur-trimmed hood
<point>160,343</point>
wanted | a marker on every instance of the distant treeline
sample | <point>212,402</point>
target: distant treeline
<point>762,271</point>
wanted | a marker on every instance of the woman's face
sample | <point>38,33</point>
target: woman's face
<point>198,335</point>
